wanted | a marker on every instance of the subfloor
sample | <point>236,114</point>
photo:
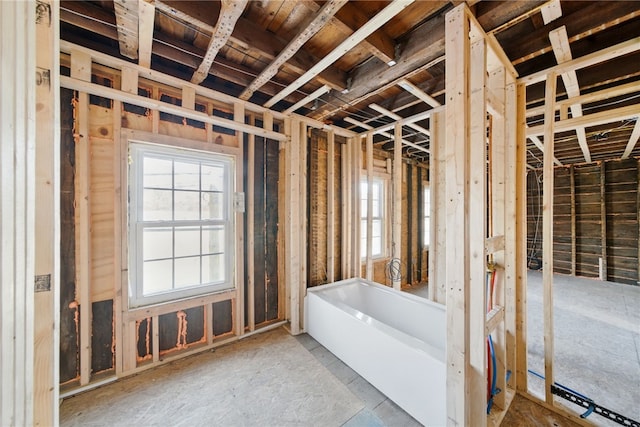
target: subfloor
<point>275,379</point>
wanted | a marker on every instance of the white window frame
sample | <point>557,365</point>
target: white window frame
<point>137,152</point>
<point>382,182</point>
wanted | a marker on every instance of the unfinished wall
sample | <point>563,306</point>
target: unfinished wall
<point>120,341</point>
<point>596,213</point>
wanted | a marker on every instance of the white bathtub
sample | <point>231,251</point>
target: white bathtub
<point>394,340</point>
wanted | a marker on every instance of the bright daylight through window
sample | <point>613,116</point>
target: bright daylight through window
<point>180,223</point>
<point>377,216</point>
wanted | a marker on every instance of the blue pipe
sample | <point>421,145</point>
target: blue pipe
<point>589,410</point>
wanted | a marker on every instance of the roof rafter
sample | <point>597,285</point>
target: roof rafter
<point>562,51</point>
<point>127,23</point>
<point>635,135</point>
<point>230,11</point>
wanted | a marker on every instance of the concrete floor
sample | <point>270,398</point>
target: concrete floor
<point>274,379</point>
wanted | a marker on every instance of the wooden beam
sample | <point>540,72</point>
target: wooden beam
<point>257,41</point>
<point>230,11</point>
<point>594,58</point>
<point>437,184</point>
<point>595,119</point>
<point>551,11</point>
<point>633,140</point>
<point>250,205</point>
<point>95,89</point>
<point>418,93</point>
<point>457,193</point>
<point>372,24</point>
<point>307,31</point>
<point>127,25</point>
<point>547,235</point>
<point>384,133</point>
<point>395,116</point>
<point>538,144</point>
<point>301,233</point>
<point>316,94</point>
<point>562,51</point>
<point>293,256</point>
<point>331,228</point>
<point>146,18</point>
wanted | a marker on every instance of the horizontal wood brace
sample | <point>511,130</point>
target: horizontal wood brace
<point>135,314</point>
<point>494,318</point>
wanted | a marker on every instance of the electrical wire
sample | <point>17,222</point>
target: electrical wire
<point>394,270</point>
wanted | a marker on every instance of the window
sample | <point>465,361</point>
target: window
<point>426,211</point>
<point>180,223</point>
<point>377,216</point>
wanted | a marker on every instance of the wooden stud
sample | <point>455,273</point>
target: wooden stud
<point>369,261</point>
<point>572,179</point>
<point>155,340</point>
<point>547,234</point>
<point>437,185</point>
<point>301,232</point>
<point>17,211</point>
<point>189,98</point>
<point>81,70</point>
<point>603,221</point>
<point>292,254</point>
<point>238,116</point>
<point>249,199</point>
<point>345,156</point>
<point>477,232</point>
<point>396,230</point>
<point>457,192</point>
<point>521,372</point>
<point>129,80</point>
<point>356,170</point>
<point>638,218</point>
<point>47,222</point>
<point>331,206</point>
<point>120,265</point>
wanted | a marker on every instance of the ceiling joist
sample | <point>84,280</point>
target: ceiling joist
<point>127,20</point>
<point>230,11</point>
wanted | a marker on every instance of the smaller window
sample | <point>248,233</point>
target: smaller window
<point>377,218</point>
<point>426,197</point>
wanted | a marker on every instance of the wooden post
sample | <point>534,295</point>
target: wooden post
<point>457,192</point>
<point>572,179</point>
<point>81,69</point>
<point>521,373</point>
<point>17,210</point>
<point>356,169</point>
<point>437,185</point>
<point>369,261</point>
<point>396,230</point>
<point>250,199</point>
<point>477,232</point>
<point>638,219</point>
<point>346,208</point>
<point>47,221</point>
<point>302,215</point>
<point>238,116</point>
<point>547,233</point>
<point>603,221</point>
<point>331,144</point>
<point>293,256</point>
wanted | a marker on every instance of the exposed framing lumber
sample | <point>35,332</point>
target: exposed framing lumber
<point>47,220</point>
<point>81,70</point>
<point>551,11</point>
<point>230,11</point>
<point>345,155</point>
<point>308,30</point>
<point>572,184</point>
<point>595,119</point>
<point>395,116</point>
<point>638,207</point>
<point>356,174</point>
<point>120,267</point>
<point>385,134</point>
<point>331,228</point>
<point>603,222</point>
<point>477,228</point>
<point>562,51</point>
<point>146,18</point>
<point>369,256</point>
<point>250,208</point>
<point>238,310</point>
<point>633,140</point>
<point>293,208</point>
<point>457,192</point>
<point>418,93</point>
<point>437,244</point>
<point>127,25</point>
<point>307,99</point>
<point>594,58</point>
<point>547,234</point>
<point>17,212</point>
<point>363,32</point>
<point>302,232</point>
<point>538,143</point>
<point>396,216</point>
